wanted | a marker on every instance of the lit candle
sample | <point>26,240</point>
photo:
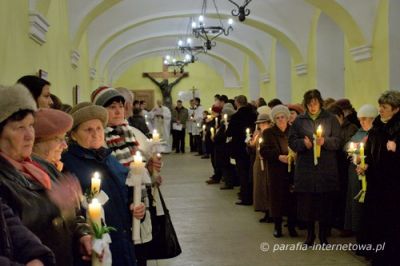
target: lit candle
<point>209,117</point>
<point>352,151</point>
<point>319,134</point>
<point>156,135</point>
<point>137,165</point>
<point>94,210</point>
<point>204,132</point>
<point>212,131</point>
<point>226,118</point>
<point>362,157</point>
<point>95,183</point>
<point>352,147</point>
<point>315,149</point>
<point>260,140</point>
<point>247,133</point>
<point>216,122</point>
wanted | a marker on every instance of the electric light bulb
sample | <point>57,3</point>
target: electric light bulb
<point>230,21</point>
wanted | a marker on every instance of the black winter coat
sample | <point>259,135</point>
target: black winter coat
<point>322,177</point>
<point>18,245</point>
<point>242,119</point>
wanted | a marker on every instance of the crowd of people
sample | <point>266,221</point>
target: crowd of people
<point>299,164</point>
<point>318,161</point>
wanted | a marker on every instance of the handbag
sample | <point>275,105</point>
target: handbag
<point>164,244</point>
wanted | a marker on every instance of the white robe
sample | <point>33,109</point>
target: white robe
<point>162,122</point>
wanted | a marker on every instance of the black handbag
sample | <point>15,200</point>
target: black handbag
<point>164,244</point>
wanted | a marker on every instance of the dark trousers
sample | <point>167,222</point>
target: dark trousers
<point>217,170</point>
<point>246,188</point>
<point>197,144</point>
<point>192,142</point>
<point>179,140</point>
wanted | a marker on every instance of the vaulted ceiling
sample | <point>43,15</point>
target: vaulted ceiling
<point>122,32</point>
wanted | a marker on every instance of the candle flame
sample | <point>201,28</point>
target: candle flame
<point>95,201</point>
<point>96,175</point>
<point>260,140</point>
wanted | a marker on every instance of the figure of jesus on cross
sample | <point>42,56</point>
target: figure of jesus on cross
<point>164,85</point>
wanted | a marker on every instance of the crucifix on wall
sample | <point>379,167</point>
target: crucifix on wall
<point>164,85</point>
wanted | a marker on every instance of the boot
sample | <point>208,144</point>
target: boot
<point>310,234</point>
<point>266,218</point>
<point>278,227</point>
<point>323,230</point>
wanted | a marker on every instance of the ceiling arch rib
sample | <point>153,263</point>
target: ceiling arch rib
<point>220,65</point>
<point>259,24</point>
<point>260,46</point>
<point>156,40</point>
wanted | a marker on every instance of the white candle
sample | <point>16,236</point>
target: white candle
<point>95,183</point>
<point>248,133</point>
<point>212,131</point>
<point>216,122</point>
<point>319,134</point>
<point>260,140</point>
<point>137,165</point>
<point>225,118</point>
<point>94,210</point>
<point>156,136</point>
<point>362,157</point>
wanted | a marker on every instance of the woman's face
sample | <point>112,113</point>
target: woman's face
<point>366,122</point>
<point>281,120</point>
<point>18,137</point>
<point>313,106</point>
<point>44,100</point>
<point>293,116</point>
<point>89,134</point>
<point>51,149</point>
<point>116,114</point>
<point>387,111</point>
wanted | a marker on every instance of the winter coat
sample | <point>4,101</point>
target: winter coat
<point>29,200</point>
<point>380,221</point>
<point>242,119</point>
<point>220,146</point>
<point>180,115</point>
<point>279,180</point>
<point>18,245</point>
<point>261,199</point>
<point>322,177</point>
<point>83,163</point>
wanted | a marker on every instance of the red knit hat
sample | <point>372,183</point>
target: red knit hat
<point>216,109</point>
<point>50,123</point>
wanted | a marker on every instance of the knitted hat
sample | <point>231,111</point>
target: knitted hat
<point>298,108</point>
<point>104,96</point>
<point>279,109</point>
<point>367,110</point>
<point>265,109</point>
<point>13,99</point>
<point>228,109</point>
<point>86,111</point>
<point>263,117</point>
<point>344,104</point>
<point>50,123</point>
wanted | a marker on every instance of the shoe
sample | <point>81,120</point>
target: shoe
<point>266,219</point>
<point>278,227</point>
<point>277,233</point>
<point>292,231</point>
<point>226,187</point>
<point>198,154</point>
<point>309,241</point>
<point>205,157</point>
<point>243,203</point>
<point>212,181</point>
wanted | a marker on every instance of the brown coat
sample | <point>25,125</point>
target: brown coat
<point>276,143</point>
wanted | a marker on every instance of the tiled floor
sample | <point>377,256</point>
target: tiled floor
<point>213,231</point>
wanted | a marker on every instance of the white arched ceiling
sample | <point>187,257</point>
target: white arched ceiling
<point>363,12</point>
<point>283,74</point>
<point>77,11</point>
<point>259,46</point>
<point>223,51</point>
<point>330,58</point>
<point>394,44</point>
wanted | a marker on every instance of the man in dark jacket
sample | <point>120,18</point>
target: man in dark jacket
<point>243,118</point>
<point>18,245</point>
<point>180,116</point>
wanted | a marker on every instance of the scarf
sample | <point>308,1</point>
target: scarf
<point>30,170</point>
<point>121,140</point>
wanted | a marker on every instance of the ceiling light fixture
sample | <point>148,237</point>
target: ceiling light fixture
<point>242,12</point>
<point>209,33</point>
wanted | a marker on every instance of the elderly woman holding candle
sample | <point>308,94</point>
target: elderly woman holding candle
<point>366,115</point>
<point>85,156</point>
<point>379,223</point>
<point>314,183</point>
<point>280,182</point>
<point>31,192</point>
<point>260,175</point>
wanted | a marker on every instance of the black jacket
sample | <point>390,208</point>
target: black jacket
<point>242,119</point>
<point>18,245</point>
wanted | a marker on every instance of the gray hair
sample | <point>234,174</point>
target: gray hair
<point>390,97</point>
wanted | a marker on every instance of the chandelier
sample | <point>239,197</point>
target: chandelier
<point>177,64</point>
<point>189,50</point>
<point>209,33</point>
<point>242,12</point>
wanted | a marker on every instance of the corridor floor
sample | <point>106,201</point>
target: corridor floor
<point>213,231</point>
